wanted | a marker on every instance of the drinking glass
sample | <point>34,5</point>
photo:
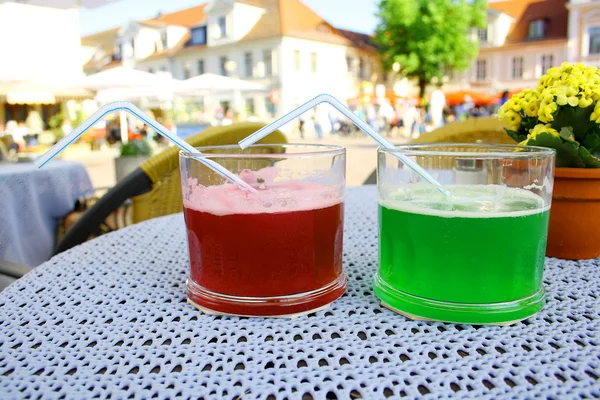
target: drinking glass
<point>475,254</point>
<point>274,252</point>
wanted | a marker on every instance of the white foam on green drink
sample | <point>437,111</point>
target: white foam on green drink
<point>468,201</point>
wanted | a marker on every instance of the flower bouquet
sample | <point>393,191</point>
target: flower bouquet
<point>563,113</point>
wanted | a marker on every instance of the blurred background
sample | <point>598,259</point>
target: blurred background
<point>193,64</point>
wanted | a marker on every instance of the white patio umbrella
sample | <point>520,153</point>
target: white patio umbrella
<point>207,84</point>
<point>121,77</point>
<point>123,83</point>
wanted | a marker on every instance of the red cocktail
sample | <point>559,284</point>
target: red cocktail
<point>275,252</point>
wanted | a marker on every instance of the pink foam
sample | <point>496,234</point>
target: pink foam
<point>271,197</point>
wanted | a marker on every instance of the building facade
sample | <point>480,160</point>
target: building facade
<point>584,31</point>
<point>523,38</point>
<point>281,44</point>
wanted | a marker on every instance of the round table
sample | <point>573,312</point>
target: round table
<point>110,318</point>
<point>32,201</point>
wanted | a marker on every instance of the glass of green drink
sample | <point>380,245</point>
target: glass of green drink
<point>473,255</point>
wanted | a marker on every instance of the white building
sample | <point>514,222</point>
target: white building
<point>523,39</point>
<point>584,31</point>
<point>41,50</point>
<point>281,44</point>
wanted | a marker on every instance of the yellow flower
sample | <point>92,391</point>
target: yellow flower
<point>532,108</point>
<point>512,119</point>
<point>541,128</point>
<point>573,101</point>
<point>584,102</point>
<point>545,113</point>
<point>572,90</point>
<point>561,99</point>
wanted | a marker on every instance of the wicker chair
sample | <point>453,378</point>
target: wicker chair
<point>487,130</point>
<point>155,187</point>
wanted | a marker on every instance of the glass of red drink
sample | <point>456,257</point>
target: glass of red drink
<point>275,252</point>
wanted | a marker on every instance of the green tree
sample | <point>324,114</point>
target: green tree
<point>425,37</point>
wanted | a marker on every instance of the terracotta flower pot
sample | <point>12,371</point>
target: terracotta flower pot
<point>574,231</point>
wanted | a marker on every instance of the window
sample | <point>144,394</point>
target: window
<point>362,68</point>
<point>297,60</point>
<point>187,73</point>
<point>594,40</point>
<point>481,73</point>
<point>132,44</point>
<point>222,27</point>
<point>313,63</point>
<point>517,67</point>
<point>248,64</point>
<point>547,62</point>
<point>198,36</point>
<point>482,34</point>
<point>151,70</point>
<point>200,67</point>
<point>350,64</point>
<point>268,60</point>
<point>536,29</point>
<point>222,68</point>
<point>163,68</point>
<point>118,56</point>
<point>250,106</point>
<point>163,39</point>
<point>156,47</point>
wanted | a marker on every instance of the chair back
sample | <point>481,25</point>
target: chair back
<point>484,130</point>
<point>473,130</point>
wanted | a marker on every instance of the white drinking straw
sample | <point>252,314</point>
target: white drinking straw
<point>135,111</point>
<point>362,125</point>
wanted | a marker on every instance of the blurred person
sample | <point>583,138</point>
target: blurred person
<point>228,117</point>
<point>372,117</point>
<point>469,105</point>
<point>66,127</point>
<point>333,120</point>
<point>503,98</point>
<point>302,124</point>
<point>35,126</point>
<point>386,111</point>
<point>437,104</point>
<point>419,126</point>
<point>408,118</point>
<point>317,123</point>
<point>19,133</point>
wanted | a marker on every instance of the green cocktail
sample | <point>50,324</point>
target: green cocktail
<point>476,257</point>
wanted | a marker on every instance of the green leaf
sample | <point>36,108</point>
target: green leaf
<point>515,135</point>
<point>589,159</point>
<point>427,38</point>
<point>567,134</point>
<point>528,123</point>
<point>576,118</point>
<point>591,141</point>
<point>566,153</point>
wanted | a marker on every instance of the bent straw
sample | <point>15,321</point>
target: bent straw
<point>363,126</point>
<point>135,111</point>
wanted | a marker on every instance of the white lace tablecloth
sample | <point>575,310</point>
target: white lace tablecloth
<point>32,201</point>
<point>109,318</point>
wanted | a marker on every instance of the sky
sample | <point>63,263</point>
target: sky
<point>356,15</point>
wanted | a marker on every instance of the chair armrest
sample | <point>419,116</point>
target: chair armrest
<point>13,270</point>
